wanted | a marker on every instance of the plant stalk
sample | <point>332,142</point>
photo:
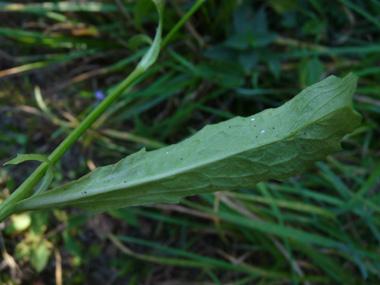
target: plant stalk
<point>28,185</point>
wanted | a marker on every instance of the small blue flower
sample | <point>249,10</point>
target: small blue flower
<point>99,95</point>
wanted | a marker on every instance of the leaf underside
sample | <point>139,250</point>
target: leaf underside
<point>238,153</point>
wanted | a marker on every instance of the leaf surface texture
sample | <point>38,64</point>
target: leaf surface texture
<point>238,153</point>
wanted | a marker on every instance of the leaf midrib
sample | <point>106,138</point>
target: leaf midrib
<point>179,171</point>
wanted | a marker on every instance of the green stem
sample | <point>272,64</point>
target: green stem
<point>181,22</point>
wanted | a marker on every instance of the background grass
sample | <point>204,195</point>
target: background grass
<point>59,59</point>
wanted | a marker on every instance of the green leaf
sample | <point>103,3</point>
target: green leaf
<point>18,224</point>
<point>237,42</point>
<point>39,157</point>
<point>274,65</point>
<point>40,222</point>
<point>138,40</point>
<point>39,257</point>
<point>238,153</point>
<point>26,157</point>
<point>249,59</point>
<point>314,27</point>
<point>283,6</point>
<point>310,71</point>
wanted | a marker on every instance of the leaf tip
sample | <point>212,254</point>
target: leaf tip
<point>12,161</point>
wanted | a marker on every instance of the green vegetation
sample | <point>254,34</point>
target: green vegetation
<point>237,153</point>
<point>229,59</point>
